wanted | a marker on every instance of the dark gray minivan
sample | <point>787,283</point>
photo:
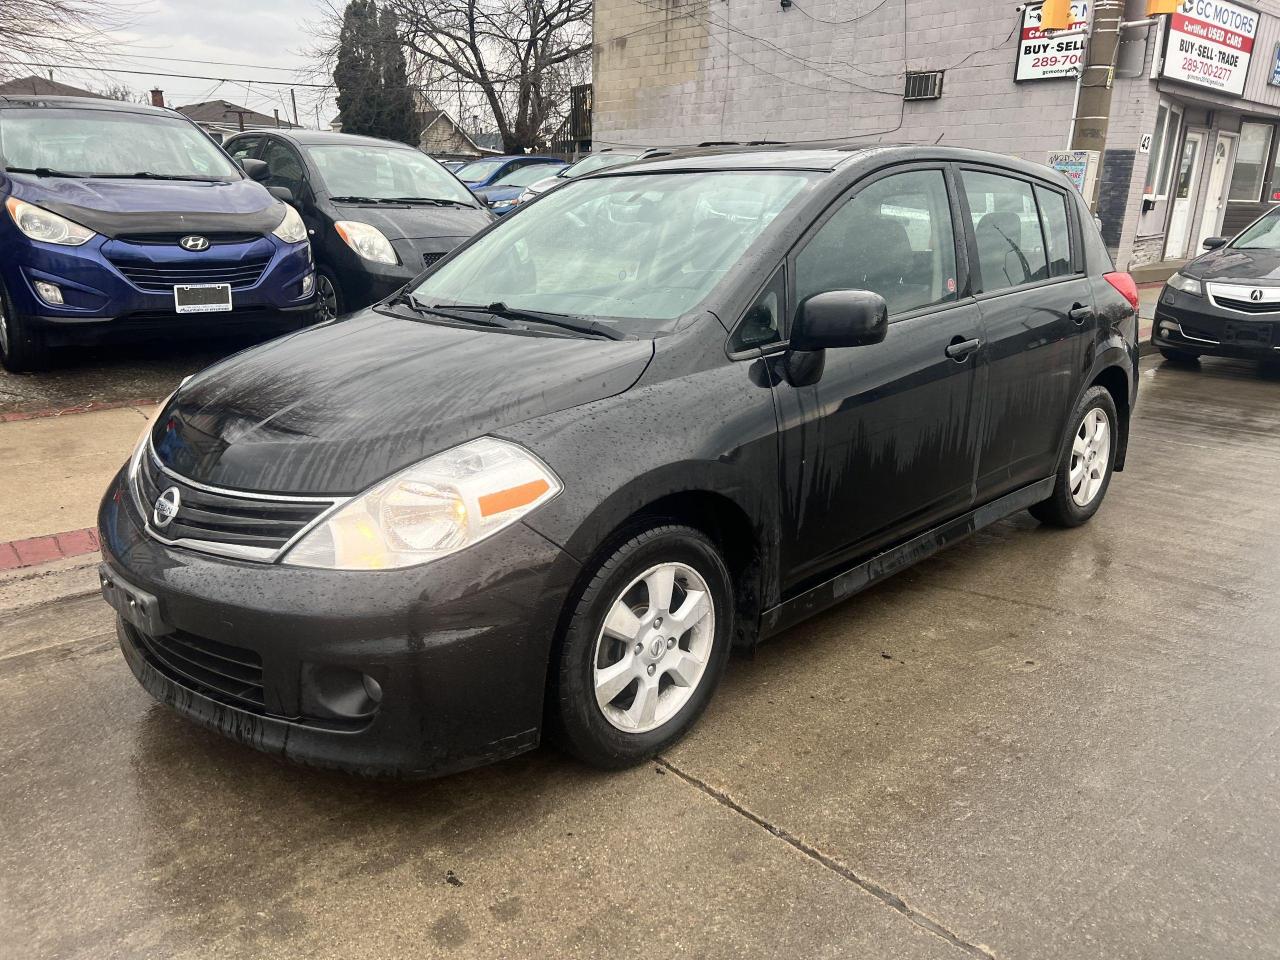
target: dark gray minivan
<point>665,410</point>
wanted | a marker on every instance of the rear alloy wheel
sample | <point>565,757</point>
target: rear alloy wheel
<point>1179,356</point>
<point>22,348</point>
<point>645,648</point>
<point>1085,467</point>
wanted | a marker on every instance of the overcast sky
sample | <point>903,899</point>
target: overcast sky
<point>274,33</point>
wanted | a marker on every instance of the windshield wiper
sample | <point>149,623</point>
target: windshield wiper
<point>43,172</point>
<point>149,175</point>
<point>406,299</point>
<point>356,199</point>
<point>562,320</point>
<point>437,201</point>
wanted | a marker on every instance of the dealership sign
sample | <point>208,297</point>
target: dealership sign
<point>1041,56</point>
<point>1209,44</point>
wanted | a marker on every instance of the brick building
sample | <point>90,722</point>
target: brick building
<point>1192,149</point>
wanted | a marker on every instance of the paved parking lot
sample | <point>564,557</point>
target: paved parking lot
<point>1038,744</point>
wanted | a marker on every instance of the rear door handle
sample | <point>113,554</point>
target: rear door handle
<point>959,350</point>
<point>1081,314</point>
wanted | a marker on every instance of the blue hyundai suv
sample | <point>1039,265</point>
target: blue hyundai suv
<point>129,219</point>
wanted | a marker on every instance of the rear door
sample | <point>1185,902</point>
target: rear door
<point>1037,311</point>
<point>885,442</point>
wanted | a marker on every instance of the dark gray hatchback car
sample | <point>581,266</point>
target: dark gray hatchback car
<point>663,411</point>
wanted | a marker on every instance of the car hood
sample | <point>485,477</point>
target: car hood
<point>417,222</point>
<point>1229,264</point>
<point>490,194</point>
<point>546,183</point>
<point>115,207</point>
<point>334,409</point>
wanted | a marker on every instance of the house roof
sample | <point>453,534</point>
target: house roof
<point>224,113</point>
<point>44,87</point>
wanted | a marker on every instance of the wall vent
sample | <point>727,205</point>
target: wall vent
<point>924,85</point>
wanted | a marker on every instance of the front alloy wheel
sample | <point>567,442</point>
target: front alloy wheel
<point>644,648</point>
<point>328,304</point>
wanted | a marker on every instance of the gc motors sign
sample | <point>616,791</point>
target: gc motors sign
<point>1209,44</point>
<point>1044,57</point>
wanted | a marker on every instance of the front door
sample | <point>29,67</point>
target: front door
<point>1188,175</point>
<point>1037,308</point>
<point>884,443</point>
<point>1215,197</point>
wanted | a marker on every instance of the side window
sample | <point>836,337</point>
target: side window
<point>285,167</point>
<point>762,323</point>
<point>1007,229</point>
<point>1053,214</point>
<point>244,147</point>
<point>894,237</point>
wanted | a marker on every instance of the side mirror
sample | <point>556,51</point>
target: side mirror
<point>256,169</point>
<point>840,318</point>
<point>281,193</point>
<point>1213,243</point>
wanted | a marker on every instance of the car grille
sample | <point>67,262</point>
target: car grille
<point>429,258</point>
<point>171,239</point>
<point>164,276</point>
<point>1246,306</point>
<point>225,522</point>
<point>218,670</point>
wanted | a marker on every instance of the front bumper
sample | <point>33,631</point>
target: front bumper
<point>1195,324</point>
<point>459,648</point>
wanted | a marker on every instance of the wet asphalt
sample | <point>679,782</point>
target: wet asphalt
<point>1038,744</point>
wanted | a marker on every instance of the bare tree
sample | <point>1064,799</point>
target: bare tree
<point>38,31</point>
<point>514,59</point>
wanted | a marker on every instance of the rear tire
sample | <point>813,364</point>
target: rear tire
<point>1179,356</point>
<point>1086,463</point>
<point>23,348</point>
<point>636,669</point>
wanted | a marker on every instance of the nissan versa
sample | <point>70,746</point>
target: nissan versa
<point>122,218</point>
<point>1225,302</point>
<point>668,409</point>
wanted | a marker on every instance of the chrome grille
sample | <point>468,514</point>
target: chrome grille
<point>230,523</point>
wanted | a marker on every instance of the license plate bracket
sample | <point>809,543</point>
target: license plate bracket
<point>136,606</point>
<point>202,297</point>
<point>1247,334</point>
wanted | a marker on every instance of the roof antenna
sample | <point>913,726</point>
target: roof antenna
<point>940,136</point>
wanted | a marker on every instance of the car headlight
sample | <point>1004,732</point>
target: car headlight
<point>526,196</point>
<point>140,448</point>
<point>504,204</point>
<point>291,229</point>
<point>437,507</point>
<point>1180,281</point>
<point>46,226</point>
<point>366,240</point>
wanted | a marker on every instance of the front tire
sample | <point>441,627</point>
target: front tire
<point>645,647</point>
<point>23,348</point>
<point>1085,465</point>
<point>330,303</point>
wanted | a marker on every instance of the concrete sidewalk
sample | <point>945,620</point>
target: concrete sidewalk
<point>54,470</point>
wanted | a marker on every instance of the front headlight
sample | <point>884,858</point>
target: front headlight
<point>291,229</point>
<point>1180,281</point>
<point>140,448</point>
<point>46,226</point>
<point>504,204</point>
<point>442,505</point>
<point>526,196</point>
<point>366,240</point>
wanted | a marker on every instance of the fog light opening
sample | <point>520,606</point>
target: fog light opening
<point>49,292</point>
<point>308,284</point>
<point>372,689</point>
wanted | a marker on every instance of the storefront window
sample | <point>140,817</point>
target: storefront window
<point>1164,142</point>
<point>1251,162</point>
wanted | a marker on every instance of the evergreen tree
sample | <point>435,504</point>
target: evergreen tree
<point>358,74</point>
<point>398,118</point>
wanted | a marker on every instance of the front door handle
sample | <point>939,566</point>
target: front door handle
<point>959,350</point>
<point>1080,314</point>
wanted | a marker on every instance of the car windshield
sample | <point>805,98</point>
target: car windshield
<point>530,173</point>
<point>1263,235</point>
<point>597,161</point>
<point>618,248</point>
<point>384,173</point>
<point>478,170</point>
<point>105,143</point>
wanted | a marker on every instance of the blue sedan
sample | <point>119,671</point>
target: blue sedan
<point>488,170</point>
<point>503,194</point>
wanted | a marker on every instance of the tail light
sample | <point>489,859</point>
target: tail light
<point>1124,286</point>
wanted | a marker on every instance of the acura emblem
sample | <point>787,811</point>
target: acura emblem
<point>1255,295</point>
<point>166,508</point>
<point>194,243</point>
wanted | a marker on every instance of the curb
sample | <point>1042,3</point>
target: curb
<point>33,551</point>
<point>78,408</point>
